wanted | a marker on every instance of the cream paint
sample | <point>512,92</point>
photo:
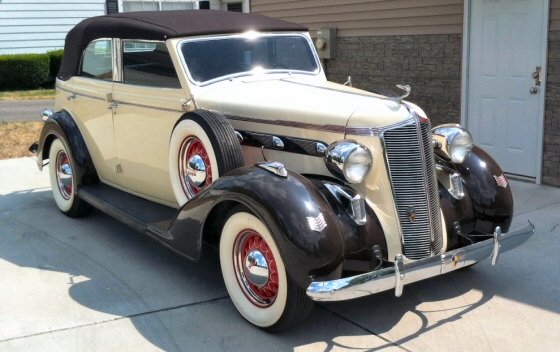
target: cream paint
<point>137,136</point>
<point>144,121</point>
<point>95,121</point>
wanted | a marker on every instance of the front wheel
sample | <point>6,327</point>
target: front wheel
<point>64,183</point>
<point>255,276</point>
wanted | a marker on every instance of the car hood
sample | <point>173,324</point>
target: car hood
<point>293,101</point>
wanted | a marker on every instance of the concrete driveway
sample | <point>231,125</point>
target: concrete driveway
<point>93,284</point>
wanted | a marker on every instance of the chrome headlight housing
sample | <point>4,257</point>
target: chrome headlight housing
<point>349,160</point>
<point>452,142</point>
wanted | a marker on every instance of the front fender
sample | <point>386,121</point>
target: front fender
<point>492,203</point>
<point>486,204</point>
<point>303,224</point>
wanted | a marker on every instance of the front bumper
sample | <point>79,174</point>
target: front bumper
<point>400,274</point>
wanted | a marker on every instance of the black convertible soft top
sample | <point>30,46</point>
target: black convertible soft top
<point>161,25</point>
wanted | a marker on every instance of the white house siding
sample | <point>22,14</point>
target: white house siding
<point>37,26</point>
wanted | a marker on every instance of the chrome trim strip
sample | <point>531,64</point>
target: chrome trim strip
<point>120,102</point>
<point>426,185</point>
<point>307,126</point>
<point>147,106</point>
<point>81,94</point>
<point>377,131</point>
<point>398,276</point>
<point>117,60</point>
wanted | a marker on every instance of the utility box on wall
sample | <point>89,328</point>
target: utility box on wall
<point>325,43</point>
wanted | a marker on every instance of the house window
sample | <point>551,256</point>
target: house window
<point>158,5</point>
<point>235,6</point>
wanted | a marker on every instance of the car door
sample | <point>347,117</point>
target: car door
<point>148,104</point>
<point>87,98</point>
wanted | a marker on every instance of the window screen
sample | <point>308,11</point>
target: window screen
<point>140,6</point>
<point>97,61</point>
<point>177,5</point>
<point>148,64</point>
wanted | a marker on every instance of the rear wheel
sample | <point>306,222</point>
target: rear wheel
<point>255,275</point>
<point>64,183</point>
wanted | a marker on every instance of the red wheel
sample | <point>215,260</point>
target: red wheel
<point>195,167</point>
<point>255,275</point>
<point>255,268</point>
<point>203,147</point>
<point>64,175</point>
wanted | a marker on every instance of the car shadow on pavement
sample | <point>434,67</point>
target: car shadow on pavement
<point>117,273</point>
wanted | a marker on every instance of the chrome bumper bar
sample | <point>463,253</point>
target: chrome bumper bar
<point>400,274</point>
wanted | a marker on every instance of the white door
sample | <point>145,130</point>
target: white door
<point>504,102</point>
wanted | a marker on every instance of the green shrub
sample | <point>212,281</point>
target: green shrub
<point>23,71</point>
<point>55,57</point>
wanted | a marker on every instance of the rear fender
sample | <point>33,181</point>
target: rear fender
<point>61,125</point>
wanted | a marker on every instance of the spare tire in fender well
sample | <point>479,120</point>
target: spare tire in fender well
<point>216,145</point>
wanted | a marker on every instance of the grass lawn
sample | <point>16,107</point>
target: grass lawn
<point>16,137</point>
<point>27,94</point>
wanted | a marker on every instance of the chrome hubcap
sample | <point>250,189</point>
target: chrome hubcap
<point>195,171</point>
<point>255,268</point>
<point>64,175</point>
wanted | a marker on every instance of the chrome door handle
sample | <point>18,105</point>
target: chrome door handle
<point>71,97</point>
<point>534,90</point>
<point>113,106</point>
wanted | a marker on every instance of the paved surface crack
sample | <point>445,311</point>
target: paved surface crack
<point>389,342</point>
<point>536,209</point>
<point>155,311</point>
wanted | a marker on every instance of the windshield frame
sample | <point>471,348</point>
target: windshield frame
<point>251,35</point>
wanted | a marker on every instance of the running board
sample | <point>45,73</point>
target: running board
<point>142,215</point>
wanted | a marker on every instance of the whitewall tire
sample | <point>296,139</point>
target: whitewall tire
<point>63,173</point>
<point>255,275</point>
<point>202,147</point>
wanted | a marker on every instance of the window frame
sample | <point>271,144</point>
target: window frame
<point>185,67</point>
<point>114,66</point>
<point>120,62</point>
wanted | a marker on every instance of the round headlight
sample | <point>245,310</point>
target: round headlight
<point>349,160</point>
<point>456,142</point>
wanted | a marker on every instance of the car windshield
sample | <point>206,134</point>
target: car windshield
<point>213,58</point>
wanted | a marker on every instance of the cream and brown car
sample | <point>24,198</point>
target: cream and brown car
<point>213,127</point>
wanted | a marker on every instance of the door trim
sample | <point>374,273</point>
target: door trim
<point>542,96</point>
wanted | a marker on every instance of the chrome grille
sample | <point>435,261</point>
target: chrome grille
<point>410,159</point>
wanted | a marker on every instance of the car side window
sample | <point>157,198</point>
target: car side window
<point>148,64</point>
<point>97,61</point>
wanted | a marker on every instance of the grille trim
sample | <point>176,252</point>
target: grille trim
<point>409,158</point>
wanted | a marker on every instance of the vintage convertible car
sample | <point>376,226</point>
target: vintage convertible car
<point>217,127</point>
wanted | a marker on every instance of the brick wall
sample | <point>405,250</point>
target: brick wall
<point>431,64</point>
<point>551,157</point>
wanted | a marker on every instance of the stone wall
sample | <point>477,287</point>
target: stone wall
<point>431,64</point>
<point>551,157</point>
